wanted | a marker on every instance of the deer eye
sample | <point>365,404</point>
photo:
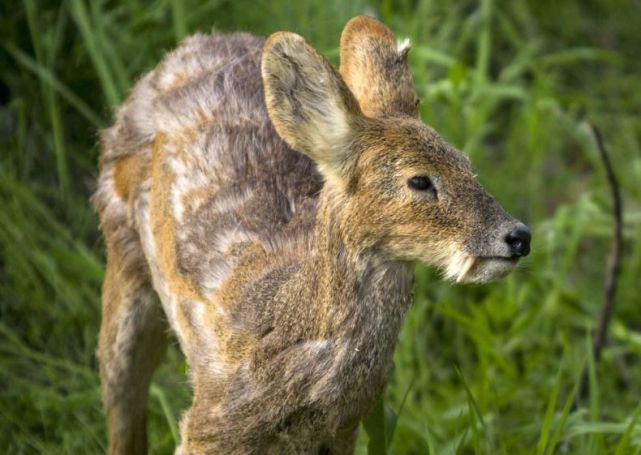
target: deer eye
<point>421,183</point>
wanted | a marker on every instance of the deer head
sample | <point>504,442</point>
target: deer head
<point>398,190</point>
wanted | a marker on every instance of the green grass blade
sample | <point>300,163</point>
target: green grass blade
<point>50,79</point>
<point>484,41</point>
<point>51,104</point>
<point>548,418</point>
<point>179,19</point>
<point>374,425</point>
<point>166,409</point>
<point>81,16</point>
<point>475,413</point>
<point>564,415</point>
<point>392,418</point>
<point>623,447</point>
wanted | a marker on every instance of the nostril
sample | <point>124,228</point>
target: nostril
<point>519,240</point>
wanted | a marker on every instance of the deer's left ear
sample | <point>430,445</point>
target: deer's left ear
<point>309,104</point>
<point>374,66</point>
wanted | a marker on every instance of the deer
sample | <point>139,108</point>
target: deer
<point>269,211</point>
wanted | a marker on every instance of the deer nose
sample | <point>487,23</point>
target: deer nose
<point>519,240</point>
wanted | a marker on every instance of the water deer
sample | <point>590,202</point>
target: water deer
<point>269,210</point>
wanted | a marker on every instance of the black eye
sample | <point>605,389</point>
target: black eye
<point>420,183</point>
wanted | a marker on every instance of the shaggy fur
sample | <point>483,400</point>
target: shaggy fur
<point>284,274</point>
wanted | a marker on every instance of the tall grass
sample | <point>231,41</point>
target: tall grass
<point>478,369</point>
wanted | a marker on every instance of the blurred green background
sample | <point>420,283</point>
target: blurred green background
<point>478,369</point>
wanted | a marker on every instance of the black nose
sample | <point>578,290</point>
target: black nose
<point>519,240</point>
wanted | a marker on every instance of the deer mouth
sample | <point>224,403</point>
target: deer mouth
<point>482,269</point>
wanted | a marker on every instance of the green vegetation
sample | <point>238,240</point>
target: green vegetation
<point>479,369</point>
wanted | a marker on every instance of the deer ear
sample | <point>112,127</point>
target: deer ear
<point>309,104</point>
<point>374,66</point>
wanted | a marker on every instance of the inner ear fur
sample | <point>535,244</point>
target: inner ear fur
<point>374,66</point>
<point>308,102</point>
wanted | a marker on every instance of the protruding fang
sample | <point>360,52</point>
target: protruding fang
<point>467,265</point>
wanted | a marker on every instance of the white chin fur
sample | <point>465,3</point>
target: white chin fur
<point>458,266</point>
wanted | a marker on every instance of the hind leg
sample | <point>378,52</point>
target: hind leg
<point>133,337</point>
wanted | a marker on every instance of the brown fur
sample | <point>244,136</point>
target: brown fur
<point>374,66</point>
<point>261,199</point>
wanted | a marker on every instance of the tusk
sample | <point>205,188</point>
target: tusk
<point>467,265</point>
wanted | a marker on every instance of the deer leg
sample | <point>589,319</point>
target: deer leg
<point>133,337</point>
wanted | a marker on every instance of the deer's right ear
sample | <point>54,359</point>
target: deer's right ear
<point>310,106</point>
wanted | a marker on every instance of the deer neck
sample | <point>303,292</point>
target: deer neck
<point>361,293</point>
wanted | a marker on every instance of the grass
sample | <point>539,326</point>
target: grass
<point>478,369</point>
